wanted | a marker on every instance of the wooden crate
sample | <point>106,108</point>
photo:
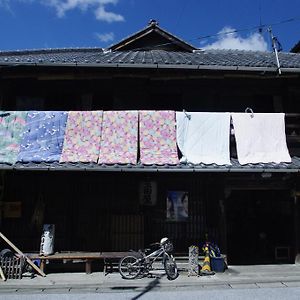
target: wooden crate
<point>12,267</point>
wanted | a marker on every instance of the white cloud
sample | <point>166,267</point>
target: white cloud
<point>105,37</point>
<point>99,7</point>
<point>63,6</point>
<point>228,39</point>
<point>5,4</point>
<point>103,15</point>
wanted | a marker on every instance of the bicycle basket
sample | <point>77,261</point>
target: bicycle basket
<point>168,246</point>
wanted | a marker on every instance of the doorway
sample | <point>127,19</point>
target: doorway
<point>259,227</point>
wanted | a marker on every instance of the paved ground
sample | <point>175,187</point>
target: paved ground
<point>236,277</point>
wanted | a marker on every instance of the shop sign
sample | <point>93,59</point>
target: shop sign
<point>148,192</point>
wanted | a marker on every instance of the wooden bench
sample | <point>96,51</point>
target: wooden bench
<point>110,259</point>
<point>86,257</point>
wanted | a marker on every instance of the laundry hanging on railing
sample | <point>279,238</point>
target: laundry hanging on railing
<point>82,136</point>
<point>48,136</point>
<point>158,137</point>
<point>43,137</point>
<point>119,140</point>
<point>203,137</point>
<point>12,124</point>
<point>260,138</point>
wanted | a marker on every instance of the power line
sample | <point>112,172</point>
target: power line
<point>259,27</point>
<point>181,13</point>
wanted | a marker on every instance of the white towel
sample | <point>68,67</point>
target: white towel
<point>260,138</point>
<point>204,138</point>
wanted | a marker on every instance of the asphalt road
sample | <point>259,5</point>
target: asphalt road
<point>183,293</point>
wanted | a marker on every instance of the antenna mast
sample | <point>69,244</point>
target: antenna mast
<point>274,46</point>
<point>260,29</point>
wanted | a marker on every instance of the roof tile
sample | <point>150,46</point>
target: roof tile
<point>222,58</point>
<point>294,166</point>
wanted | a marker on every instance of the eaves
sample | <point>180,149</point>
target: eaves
<point>153,66</point>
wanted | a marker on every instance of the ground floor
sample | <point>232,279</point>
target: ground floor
<point>252,218</point>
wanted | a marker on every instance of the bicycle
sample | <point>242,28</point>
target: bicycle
<point>141,262</point>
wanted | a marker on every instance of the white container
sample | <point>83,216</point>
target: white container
<point>47,240</point>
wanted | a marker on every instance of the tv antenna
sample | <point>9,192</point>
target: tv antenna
<point>276,48</point>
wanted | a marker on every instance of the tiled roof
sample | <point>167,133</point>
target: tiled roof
<point>206,59</point>
<point>47,56</point>
<point>296,48</point>
<point>235,167</point>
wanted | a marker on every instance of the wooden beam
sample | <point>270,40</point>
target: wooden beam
<point>22,254</point>
<point>2,274</point>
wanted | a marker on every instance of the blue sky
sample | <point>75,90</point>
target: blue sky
<point>36,24</point>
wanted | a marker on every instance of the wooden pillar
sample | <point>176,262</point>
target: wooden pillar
<point>296,227</point>
<point>88,266</point>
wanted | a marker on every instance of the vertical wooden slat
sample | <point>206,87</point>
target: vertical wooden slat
<point>12,267</point>
<point>20,268</point>
<point>9,268</point>
<point>5,267</point>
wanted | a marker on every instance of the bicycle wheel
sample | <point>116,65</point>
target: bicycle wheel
<point>170,267</point>
<point>129,267</point>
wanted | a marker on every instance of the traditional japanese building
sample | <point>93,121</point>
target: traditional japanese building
<point>250,210</point>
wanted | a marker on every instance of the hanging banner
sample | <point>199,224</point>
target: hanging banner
<point>148,192</point>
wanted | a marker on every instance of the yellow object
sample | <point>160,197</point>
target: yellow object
<point>206,269</point>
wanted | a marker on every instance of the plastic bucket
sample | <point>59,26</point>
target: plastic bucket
<point>217,264</point>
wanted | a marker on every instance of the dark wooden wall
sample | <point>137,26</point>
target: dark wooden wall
<point>87,89</point>
<point>102,211</point>
<point>68,89</point>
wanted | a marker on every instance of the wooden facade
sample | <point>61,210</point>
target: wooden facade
<point>251,215</point>
<point>95,211</point>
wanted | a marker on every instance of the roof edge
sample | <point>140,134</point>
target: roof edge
<point>150,66</point>
<point>152,27</point>
<point>50,50</point>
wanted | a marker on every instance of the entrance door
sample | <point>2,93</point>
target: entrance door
<point>259,227</point>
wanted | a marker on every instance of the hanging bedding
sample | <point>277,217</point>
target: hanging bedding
<point>203,137</point>
<point>12,124</point>
<point>82,136</point>
<point>260,138</point>
<point>158,137</point>
<point>43,137</point>
<point>119,138</point>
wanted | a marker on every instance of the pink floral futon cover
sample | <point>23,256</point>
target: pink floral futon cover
<point>158,137</point>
